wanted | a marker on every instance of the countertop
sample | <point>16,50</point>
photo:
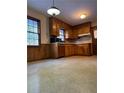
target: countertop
<point>69,43</point>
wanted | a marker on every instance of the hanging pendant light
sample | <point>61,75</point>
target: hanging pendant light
<point>53,10</point>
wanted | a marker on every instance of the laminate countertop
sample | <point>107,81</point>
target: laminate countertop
<point>62,43</point>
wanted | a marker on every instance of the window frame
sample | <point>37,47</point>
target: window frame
<point>95,33</point>
<point>39,31</point>
<point>63,34</point>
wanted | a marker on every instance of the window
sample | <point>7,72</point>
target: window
<point>33,31</point>
<point>61,35</point>
<point>95,34</point>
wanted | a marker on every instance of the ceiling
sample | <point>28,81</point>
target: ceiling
<point>70,9</point>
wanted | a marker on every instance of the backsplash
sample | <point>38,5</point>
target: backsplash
<point>84,39</point>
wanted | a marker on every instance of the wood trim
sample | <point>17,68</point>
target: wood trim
<point>38,53</point>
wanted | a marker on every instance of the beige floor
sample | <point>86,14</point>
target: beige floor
<point>76,74</point>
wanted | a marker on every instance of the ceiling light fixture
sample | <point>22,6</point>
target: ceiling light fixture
<point>53,10</point>
<point>83,16</point>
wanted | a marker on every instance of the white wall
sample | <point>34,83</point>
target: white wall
<point>44,24</point>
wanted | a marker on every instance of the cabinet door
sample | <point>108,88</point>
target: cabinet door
<point>84,28</point>
<point>58,27</point>
<point>67,50</point>
<point>86,50</point>
<point>72,50</point>
<point>83,50</point>
<point>80,50</point>
<point>71,34</point>
<point>54,50</point>
<point>53,27</point>
<point>75,33</point>
<point>61,51</point>
<point>65,26</point>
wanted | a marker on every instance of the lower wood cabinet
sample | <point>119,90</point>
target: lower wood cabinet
<point>57,50</point>
<point>64,50</point>
<point>61,50</point>
<point>69,49</point>
<point>78,49</point>
<point>83,49</point>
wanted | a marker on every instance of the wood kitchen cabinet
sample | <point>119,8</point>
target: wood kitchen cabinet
<point>82,28</point>
<point>68,30</point>
<point>77,49</point>
<point>68,34</point>
<point>75,31</point>
<point>71,34</point>
<point>59,24</point>
<point>83,49</point>
<point>69,49</point>
<point>54,27</point>
<point>57,50</point>
<point>85,28</point>
<point>56,24</point>
<point>64,50</point>
<point>61,50</point>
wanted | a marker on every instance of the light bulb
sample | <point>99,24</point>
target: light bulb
<point>83,16</point>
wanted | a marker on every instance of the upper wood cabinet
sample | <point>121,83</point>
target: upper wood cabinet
<point>76,31</point>
<point>82,28</point>
<point>56,24</point>
<point>53,27</point>
<point>71,32</point>
<point>68,32</point>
